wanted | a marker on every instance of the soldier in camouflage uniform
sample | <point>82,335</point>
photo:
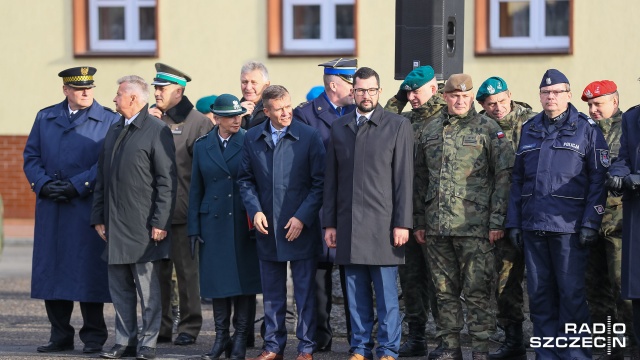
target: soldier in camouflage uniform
<point>420,89</point>
<point>494,96</point>
<point>605,261</point>
<point>462,168</point>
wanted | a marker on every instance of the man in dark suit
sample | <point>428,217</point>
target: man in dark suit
<point>254,79</point>
<point>281,180</point>
<point>320,113</point>
<point>368,212</point>
<point>133,205</point>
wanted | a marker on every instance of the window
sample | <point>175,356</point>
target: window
<point>115,27</point>
<point>311,27</point>
<point>523,26</point>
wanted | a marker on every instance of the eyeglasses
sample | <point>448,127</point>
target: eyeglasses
<point>554,92</point>
<point>372,91</point>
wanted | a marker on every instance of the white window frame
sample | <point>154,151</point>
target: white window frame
<point>327,40</point>
<point>131,42</point>
<point>536,39</point>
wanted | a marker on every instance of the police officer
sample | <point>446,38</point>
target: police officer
<point>420,89</point>
<point>60,159</point>
<point>335,101</point>
<point>462,169</point>
<point>555,210</point>
<point>603,269</point>
<point>495,98</point>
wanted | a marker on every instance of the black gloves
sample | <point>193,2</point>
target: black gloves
<point>631,182</point>
<point>515,236</point>
<point>402,96</point>
<point>47,191</point>
<point>193,239</point>
<point>588,236</point>
<point>65,190</point>
<point>613,183</point>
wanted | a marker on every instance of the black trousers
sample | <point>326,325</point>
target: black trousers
<point>94,329</point>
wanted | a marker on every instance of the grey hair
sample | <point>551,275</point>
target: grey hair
<point>137,85</point>
<point>255,65</point>
<point>273,92</point>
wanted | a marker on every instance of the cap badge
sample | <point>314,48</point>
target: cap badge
<point>406,87</point>
<point>490,89</point>
<point>84,71</point>
<point>499,86</point>
<point>588,94</point>
<point>236,106</point>
<point>548,81</point>
<point>463,87</point>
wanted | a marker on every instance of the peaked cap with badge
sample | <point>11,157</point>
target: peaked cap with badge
<point>167,75</point>
<point>78,77</point>
<point>417,78</point>
<point>344,68</point>
<point>227,105</point>
<point>598,88</point>
<point>458,82</point>
<point>491,86</point>
<point>552,77</point>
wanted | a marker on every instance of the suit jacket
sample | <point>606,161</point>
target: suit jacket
<point>368,187</point>
<point>283,181</point>
<point>136,189</point>
<point>320,114</point>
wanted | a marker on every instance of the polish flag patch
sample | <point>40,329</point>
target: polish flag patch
<point>500,134</point>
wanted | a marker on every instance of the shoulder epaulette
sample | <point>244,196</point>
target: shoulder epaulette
<point>303,103</point>
<point>48,107</point>
<point>203,136</point>
<point>586,117</point>
<point>109,109</point>
<point>633,107</point>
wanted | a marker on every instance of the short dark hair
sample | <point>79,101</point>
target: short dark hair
<point>365,73</point>
<point>273,92</point>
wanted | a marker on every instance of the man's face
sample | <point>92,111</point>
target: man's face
<point>78,98</point>
<point>279,111</point>
<point>602,107</point>
<point>497,106</point>
<point>167,96</point>
<point>123,100</point>
<point>361,87</point>
<point>420,95</point>
<point>555,98</point>
<point>252,84</point>
<point>228,125</point>
<point>458,102</point>
<point>343,92</point>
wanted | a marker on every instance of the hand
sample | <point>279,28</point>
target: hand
<point>330,237</point>
<point>401,96</point>
<point>154,111</point>
<point>400,236</point>
<point>192,240</point>
<point>65,189</point>
<point>249,105</point>
<point>588,236</point>
<point>419,235</point>
<point>158,234</point>
<point>613,183</point>
<point>260,222</point>
<point>295,228</point>
<point>495,235</point>
<point>515,236</point>
<point>48,191</point>
<point>100,229</point>
<point>631,182</point>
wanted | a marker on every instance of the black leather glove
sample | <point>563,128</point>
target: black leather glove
<point>613,183</point>
<point>65,189</point>
<point>402,96</point>
<point>631,182</point>
<point>48,191</point>
<point>192,240</point>
<point>588,236</point>
<point>515,236</point>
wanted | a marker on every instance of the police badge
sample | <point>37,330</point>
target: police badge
<point>605,159</point>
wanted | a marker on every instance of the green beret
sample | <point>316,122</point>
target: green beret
<point>204,104</point>
<point>491,86</point>
<point>417,78</point>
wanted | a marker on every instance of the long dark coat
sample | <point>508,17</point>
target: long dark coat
<point>368,187</point>
<point>228,258</point>
<point>136,190</point>
<point>628,162</point>
<point>284,181</point>
<point>66,250</point>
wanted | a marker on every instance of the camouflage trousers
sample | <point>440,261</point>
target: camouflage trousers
<point>603,284</point>
<point>462,265</point>
<point>509,292</point>
<point>418,292</point>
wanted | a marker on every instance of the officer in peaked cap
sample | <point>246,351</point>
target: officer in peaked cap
<point>59,163</point>
<point>187,124</point>
<point>335,101</point>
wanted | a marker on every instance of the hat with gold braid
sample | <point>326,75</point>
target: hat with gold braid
<point>78,77</point>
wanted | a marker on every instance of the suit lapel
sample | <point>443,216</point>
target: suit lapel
<point>234,146</point>
<point>213,149</point>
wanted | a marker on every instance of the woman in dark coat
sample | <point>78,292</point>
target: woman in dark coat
<point>229,271</point>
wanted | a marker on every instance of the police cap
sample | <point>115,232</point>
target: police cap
<point>344,68</point>
<point>78,77</point>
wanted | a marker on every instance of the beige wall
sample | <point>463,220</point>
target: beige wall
<point>210,39</point>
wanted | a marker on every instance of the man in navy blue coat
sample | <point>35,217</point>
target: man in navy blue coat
<point>320,113</point>
<point>60,162</point>
<point>281,181</point>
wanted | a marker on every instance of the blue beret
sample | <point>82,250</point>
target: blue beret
<point>315,92</point>
<point>417,78</point>
<point>552,77</point>
<point>491,86</point>
<point>204,104</point>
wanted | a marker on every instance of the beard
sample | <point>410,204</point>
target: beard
<point>366,107</point>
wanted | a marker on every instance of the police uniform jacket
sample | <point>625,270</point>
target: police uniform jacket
<point>558,177</point>
<point>66,250</point>
<point>320,114</point>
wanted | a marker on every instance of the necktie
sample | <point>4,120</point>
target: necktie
<point>361,120</point>
<point>224,143</point>
<point>278,135</point>
<point>339,110</point>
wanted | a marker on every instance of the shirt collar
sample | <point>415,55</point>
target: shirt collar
<point>129,121</point>
<point>273,130</point>
<point>223,139</point>
<point>368,116</point>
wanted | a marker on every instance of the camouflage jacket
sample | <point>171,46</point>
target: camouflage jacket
<point>512,123</point>
<point>462,175</point>
<point>420,116</point>
<point>612,219</point>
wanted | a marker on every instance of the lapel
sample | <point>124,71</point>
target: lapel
<point>234,145</point>
<point>213,149</point>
